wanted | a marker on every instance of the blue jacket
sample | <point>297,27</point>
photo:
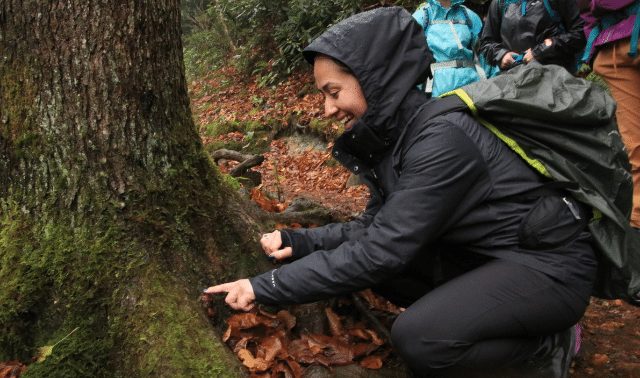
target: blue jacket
<point>451,36</point>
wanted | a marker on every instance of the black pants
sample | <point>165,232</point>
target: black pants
<point>491,317</point>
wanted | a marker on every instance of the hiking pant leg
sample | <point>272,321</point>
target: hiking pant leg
<point>491,317</point>
<point>425,273</point>
<point>622,74</point>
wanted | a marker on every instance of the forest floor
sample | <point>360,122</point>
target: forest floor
<point>231,110</point>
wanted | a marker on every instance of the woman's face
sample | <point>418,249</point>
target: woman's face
<point>343,97</point>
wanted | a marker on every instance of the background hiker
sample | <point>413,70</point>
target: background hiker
<point>519,31</point>
<point>452,31</point>
<point>612,29</point>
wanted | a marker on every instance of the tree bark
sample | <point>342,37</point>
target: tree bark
<point>110,211</point>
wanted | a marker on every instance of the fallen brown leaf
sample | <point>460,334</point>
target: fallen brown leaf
<point>379,303</point>
<point>610,326</point>
<point>226,335</point>
<point>237,323</point>
<point>265,203</point>
<point>366,334</point>
<point>599,359</point>
<point>282,369</point>
<point>295,367</point>
<point>326,350</point>
<point>335,325</point>
<point>241,344</point>
<point>287,319</point>
<point>12,369</point>
<point>270,347</point>
<point>252,363</point>
<point>371,362</point>
<point>363,349</point>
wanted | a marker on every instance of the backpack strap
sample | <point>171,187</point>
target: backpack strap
<point>476,60</point>
<point>428,84</point>
<point>555,17</point>
<point>456,63</point>
<point>455,35</point>
<point>427,17</point>
<point>590,40</point>
<point>633,51</point>
<point>450,22</point>
<point>465,99</point>
<point>467,17</point>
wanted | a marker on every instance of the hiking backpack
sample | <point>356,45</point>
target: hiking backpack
<point>564,127</point>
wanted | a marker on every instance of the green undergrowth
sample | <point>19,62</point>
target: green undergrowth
<point>128,281</point>
<point>257,135</point>
<point>224,126</point>
<point>202,52</point>
<point>325,128</point>
<point>218,145</point>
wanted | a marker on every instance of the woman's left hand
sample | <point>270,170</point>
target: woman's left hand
<point>240,294</point>
<point>528,56</point>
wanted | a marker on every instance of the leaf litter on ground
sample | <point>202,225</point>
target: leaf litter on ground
<point>267,343</point>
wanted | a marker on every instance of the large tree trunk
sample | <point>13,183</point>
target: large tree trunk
<point>109,210</point>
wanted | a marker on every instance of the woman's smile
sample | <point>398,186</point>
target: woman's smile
<point>343,97</point>
<point>348,122</point>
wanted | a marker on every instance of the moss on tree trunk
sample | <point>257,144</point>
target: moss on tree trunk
<point>110,212</point>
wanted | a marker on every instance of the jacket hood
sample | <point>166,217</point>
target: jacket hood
<point>386,51</point>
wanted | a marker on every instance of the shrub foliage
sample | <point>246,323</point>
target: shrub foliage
<point>263,37</point>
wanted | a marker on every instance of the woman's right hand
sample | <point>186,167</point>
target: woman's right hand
<point>271,245</point>
<point>507,60</point>
<point>240,295</point>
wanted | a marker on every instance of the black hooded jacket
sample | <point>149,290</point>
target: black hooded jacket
<point>506,29</point>
<point>441,180</point>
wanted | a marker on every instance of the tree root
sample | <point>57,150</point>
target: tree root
<point>305,212</point>
<point>246,161</point>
